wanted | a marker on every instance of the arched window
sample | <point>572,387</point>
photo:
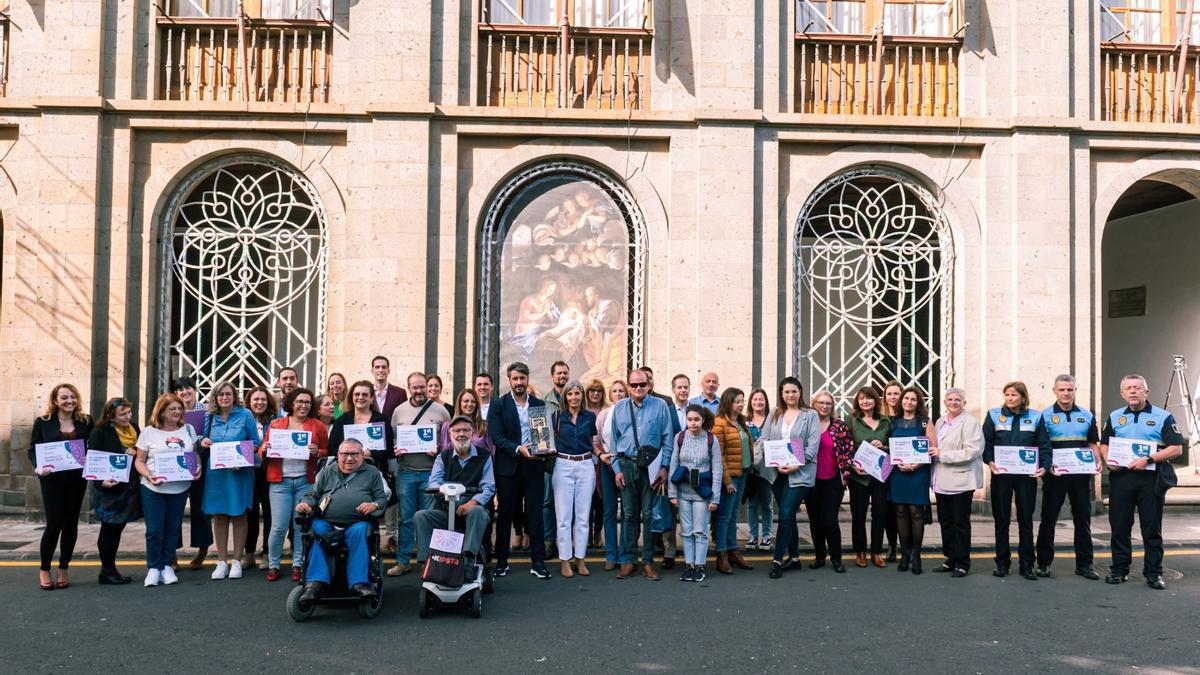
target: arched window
<point>562,274</point>
<point>874,272</point>
<point>244,268</point>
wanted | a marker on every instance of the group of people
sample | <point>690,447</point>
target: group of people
<point>630,466</point>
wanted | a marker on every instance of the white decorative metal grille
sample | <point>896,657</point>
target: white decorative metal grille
<point>508,205</point>
<point>873,286</point>
<point>244,275</point>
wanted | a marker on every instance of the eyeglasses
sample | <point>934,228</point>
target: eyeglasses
<point>302,401</point>
<point>637,385</point>
<point>348,455</point>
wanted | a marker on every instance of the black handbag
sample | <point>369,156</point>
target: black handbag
<point>645,453</point>
<point>1167,478</point>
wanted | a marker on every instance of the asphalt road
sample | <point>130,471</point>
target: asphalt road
<point>815,620</point>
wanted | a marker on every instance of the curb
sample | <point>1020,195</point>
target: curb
<point>598,554</point>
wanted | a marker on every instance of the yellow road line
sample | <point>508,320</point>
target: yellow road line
<point>764,559</point>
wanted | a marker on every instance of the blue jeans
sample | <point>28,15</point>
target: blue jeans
<point>356,550</point>
<point>284,497</point>
<point>410,490</point>
<point>759,514</point>
<point>693,529</point>
<point>608,494</point>
<point>164,526</point>
<point>637,501</point>
<point>789,499</point>
<point>727,512</point>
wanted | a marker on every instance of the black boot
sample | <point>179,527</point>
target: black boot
<point>905,561</point>
<point>311,592</point>
<point>112,577</point>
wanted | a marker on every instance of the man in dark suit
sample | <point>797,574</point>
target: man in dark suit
<point>519,474</point>
<point>387,398</point>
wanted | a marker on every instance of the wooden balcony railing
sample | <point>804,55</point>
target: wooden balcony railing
<point>210,59</point>
<point>862,75</point>
<point>564,67</point>
<point>1139,84</point>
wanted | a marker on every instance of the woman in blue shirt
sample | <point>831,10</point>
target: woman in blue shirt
<point>574,477</point>
<point>230,491</point>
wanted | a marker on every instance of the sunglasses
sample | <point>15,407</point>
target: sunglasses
<point>637,385</point>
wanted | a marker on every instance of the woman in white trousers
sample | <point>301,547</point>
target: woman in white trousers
<point>574,478</point>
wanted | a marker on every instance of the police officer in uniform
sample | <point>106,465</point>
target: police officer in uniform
<point>1069,426</point>
<point>1015,424</point>
<point>1135,486</point>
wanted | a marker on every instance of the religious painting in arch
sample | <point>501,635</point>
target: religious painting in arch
<point>568,273</point>
<point>874,283</point>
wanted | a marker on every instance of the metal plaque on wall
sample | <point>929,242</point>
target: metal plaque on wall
<point>1127,302</point>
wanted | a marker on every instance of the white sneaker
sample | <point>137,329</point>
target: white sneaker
<point>235,569</point>
<point>221,571</point>
<point>265,564</point>
<point>153,578</point>
<point>168,575</point>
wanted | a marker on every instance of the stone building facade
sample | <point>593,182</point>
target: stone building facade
<point>738,155</point>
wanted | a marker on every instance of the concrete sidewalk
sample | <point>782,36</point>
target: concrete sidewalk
<point>19,540</point>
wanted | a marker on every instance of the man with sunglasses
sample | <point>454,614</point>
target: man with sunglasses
<point>641,426</point>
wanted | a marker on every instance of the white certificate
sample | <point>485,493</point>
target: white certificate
<point>60,455</point>
<point>779,453</point>
<point>446,541</point>
<point>100,465</point>
<point>1016,459</point>
<point>231,455</point>
<point>420,438</point>
<point>873,461</point>
<point>1072,461</point>
<point>1122,451</point>
<point>370,435</point>
<point>909,450</point>
<point>288,444</point>
<point>175,465</point>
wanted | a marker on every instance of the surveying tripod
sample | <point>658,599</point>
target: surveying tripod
<point>1189,406</point>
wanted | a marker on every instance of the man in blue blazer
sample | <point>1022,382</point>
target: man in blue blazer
<point>519,474</point>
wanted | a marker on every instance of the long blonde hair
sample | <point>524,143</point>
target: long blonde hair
<point>52,405</point>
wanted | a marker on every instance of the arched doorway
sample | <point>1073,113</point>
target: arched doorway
<point>874,281</point>
<point>1150,288</point>
<point>244,251</point>
<point>562,275</point>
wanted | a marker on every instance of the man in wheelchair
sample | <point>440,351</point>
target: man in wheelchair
<point>472,467</point>
<point>345,498</point>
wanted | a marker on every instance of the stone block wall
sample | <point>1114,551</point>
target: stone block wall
<point>405,163</point>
